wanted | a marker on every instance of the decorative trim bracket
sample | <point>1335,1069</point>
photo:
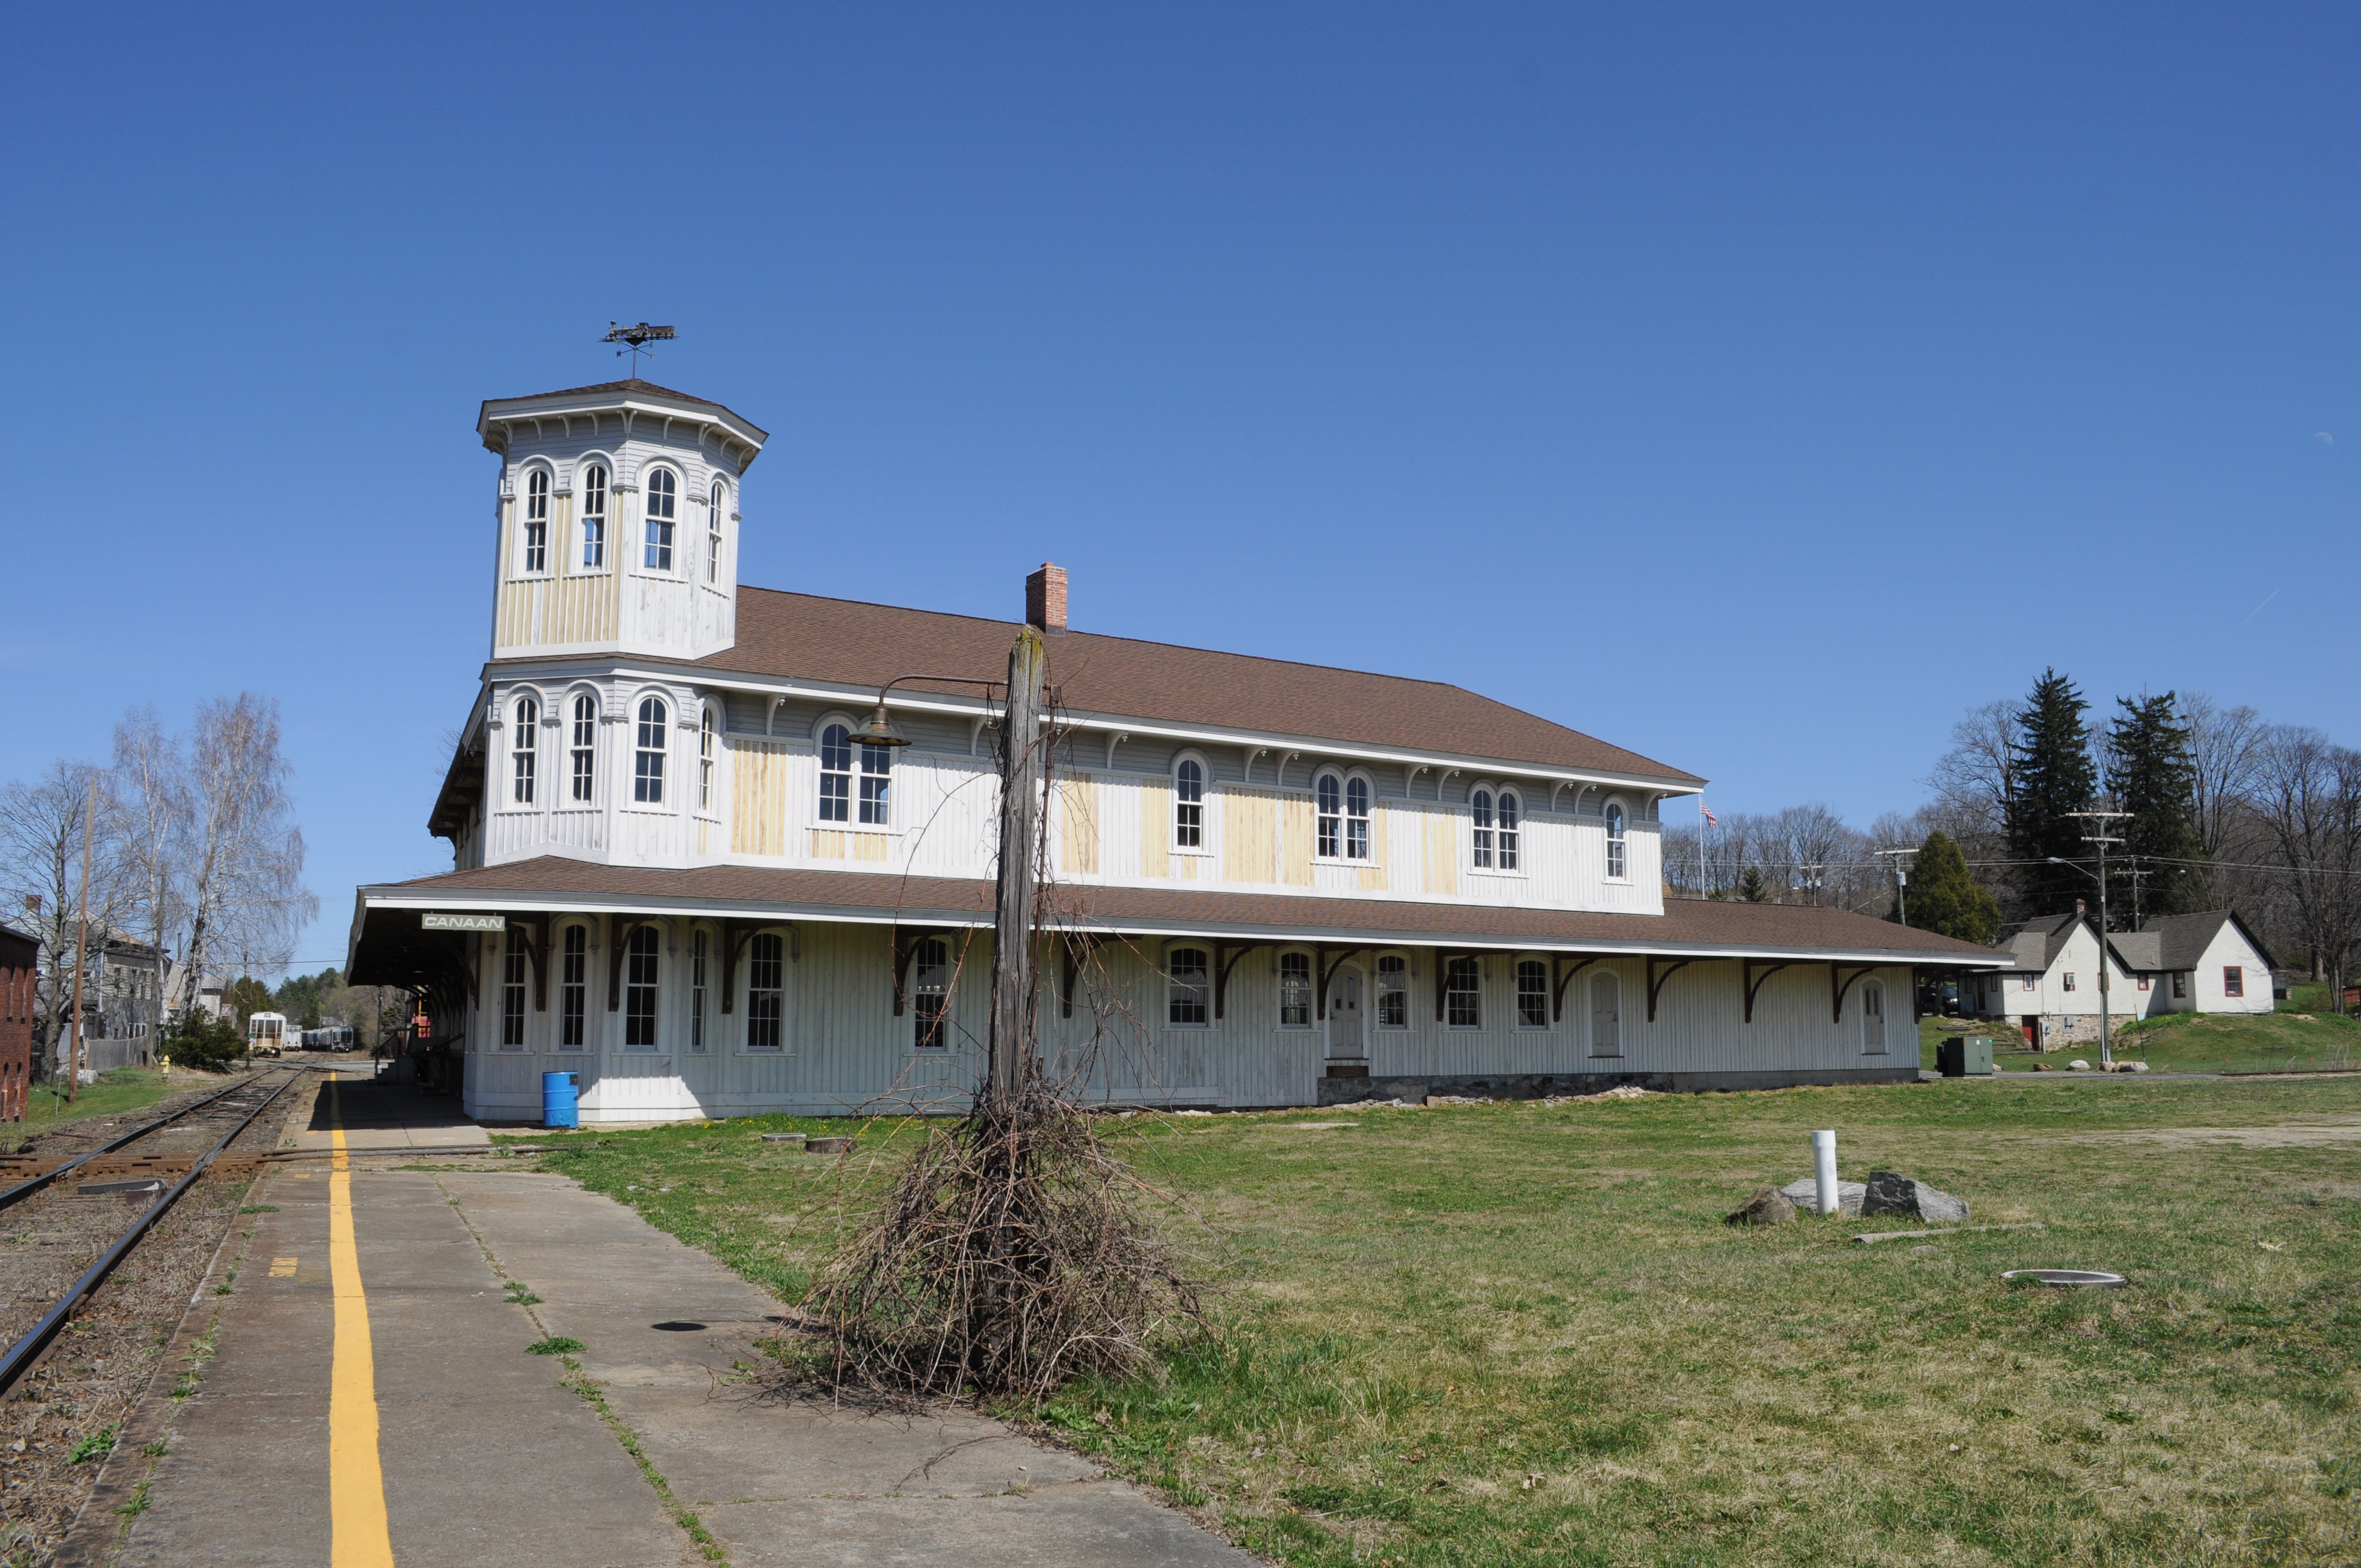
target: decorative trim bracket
<point>1656,981</point>
<point>1558,982</point>
<point>1754,981</point>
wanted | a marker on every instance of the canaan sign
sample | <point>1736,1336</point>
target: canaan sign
<point>436,920</point>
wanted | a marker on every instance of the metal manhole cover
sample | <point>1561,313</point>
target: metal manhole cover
<point>2093,1278</point>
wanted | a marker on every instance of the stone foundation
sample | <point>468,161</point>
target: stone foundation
<point>1542,1086</point>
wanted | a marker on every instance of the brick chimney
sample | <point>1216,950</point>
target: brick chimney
<point>1045,600</point>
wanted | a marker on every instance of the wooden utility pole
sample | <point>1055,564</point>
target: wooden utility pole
<point>1020,829</point>
<point>82,949</point>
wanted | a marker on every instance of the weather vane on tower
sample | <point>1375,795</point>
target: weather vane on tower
<point>638,337</point>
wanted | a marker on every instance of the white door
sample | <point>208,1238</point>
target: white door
<point>1605,1015</point>
<point>1345,1018</point>
<point>1872,1018</point>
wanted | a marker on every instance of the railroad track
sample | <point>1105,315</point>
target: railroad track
<point>230,1113</point>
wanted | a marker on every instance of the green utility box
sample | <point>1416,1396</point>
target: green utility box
<point>1965,1055</point>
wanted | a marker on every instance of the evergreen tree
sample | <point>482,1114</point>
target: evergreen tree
<point>1945,898</point>
<point>2054,776</point>
<point>2152,772</point>
<point>1752,887</point>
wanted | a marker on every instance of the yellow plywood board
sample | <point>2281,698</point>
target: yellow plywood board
<point>758,801</point>
<point>1078,825</point>
<point>1156,829</point>
<point>1296,811</point>
<point>1248,822</point>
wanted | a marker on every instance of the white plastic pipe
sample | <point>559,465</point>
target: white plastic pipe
<point>1824,1170</point>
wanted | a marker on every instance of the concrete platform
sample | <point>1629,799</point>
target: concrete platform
<point>490,1458</point>
<point>379,1115</point>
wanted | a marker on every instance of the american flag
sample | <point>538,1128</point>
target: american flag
<point>1710,819</point>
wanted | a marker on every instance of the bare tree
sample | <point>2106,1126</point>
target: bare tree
<point>151,814</point>
<point>43,826</point>
<point>244,856</point>
<point>2307,793</point>
<point>1974,784</point>
<point>2225,743</point>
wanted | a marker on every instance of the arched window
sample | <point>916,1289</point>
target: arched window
<point>573,988</point>
<point>1605,1015</point>
<point>876,785</point>
<point>1356,819</point>
<point>594,517</point>
<point>1342,818</point>
<point>648,768</point>
<point>585,748</point>
<point>1533,994</point>
<point>1480,810</point>
<point>1618,863</point>
<point>1295,990</point>
<point>713,533</point>
<point>1330,819</point>
<point>696,987</point>
<point>1189,805</point>
<point>1462,993</point>
<point>1186,987</point>
<point>639,961</point>
<point>1510,812</point>
<point>836,774</point>
<point>766,972</point>
<point>664,505</point>
<point>1872,1017</point>
<point>1393,992</point>
<point>525,748</point>
<point>930,994</point>
<point>707,741</point>
<point>536,520</point>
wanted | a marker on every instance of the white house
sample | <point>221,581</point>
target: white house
<point>677,874</point>
<point>2205,963</point>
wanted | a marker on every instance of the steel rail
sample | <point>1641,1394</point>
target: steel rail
<point>25,1188</point>
<point>26,1351</point>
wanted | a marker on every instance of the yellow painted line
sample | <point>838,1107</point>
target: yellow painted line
<point>356,1481</point>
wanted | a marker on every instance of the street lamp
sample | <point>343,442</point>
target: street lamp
<point>880,730</point>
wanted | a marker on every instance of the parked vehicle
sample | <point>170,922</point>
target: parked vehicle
<point>335,1037</point>
<point>267,1034</point>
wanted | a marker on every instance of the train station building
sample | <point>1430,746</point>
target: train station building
<point>679,872</point>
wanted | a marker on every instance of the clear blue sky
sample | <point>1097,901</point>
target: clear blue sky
<point>1755,387</point>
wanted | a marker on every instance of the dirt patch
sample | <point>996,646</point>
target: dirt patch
<point>2310,1132</point>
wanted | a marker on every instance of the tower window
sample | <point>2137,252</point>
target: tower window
<point>664,503</point>
<point>594,517</point>
<point>766,972</point>
<point>1618,863</point>
<point>836,774</point>
<point>640,971</point>
<point>1189,805</point>
<point>647,773</point>
<point>525,748</point>
<point>536,520</point>
<point>713,534</point>
<point>586,748</point>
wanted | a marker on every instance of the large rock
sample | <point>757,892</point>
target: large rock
<point>1805,1194</point>
<point>1769,1206</point>
<point>1891,1192</point>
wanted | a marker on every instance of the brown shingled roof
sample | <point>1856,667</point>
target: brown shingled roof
<point>1687,926</point>
<point>868,644</point>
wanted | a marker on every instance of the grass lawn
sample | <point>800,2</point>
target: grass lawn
<point>1522,1334</point>
<point>121,1088</point>
<point>2284,1041</point>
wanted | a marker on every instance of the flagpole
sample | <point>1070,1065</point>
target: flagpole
<point>1701,821</point>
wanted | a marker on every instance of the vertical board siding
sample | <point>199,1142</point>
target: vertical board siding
<point>1155,829</point>
<point>1078,824</point>
<point>1295,840</point>
<point>1249,819</point>
<point>758,814</point>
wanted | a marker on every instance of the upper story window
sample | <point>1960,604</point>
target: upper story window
<point>836,774</point>
<point>1393,992</point>
<point>1294,990</point>
<point>1342,818</point>
<point>536,520</point>
<point>585,748</point>
<point>648,768</point>
<point>663,510</point>
<point>594,517</point>
<point>2234,979</point>
<point>525,748</point>
<point>713,533</point>
<point>1533,994</point>
<point>2070,979</point>
<point>1463,994</point>
<point>1189,805</point>
<point>707,741</point>
<point>930,994</point>
<point>1187,986</point>
<point>1619,859</point>
<point>766,970</point>
<point>876,785</point>
<point>1479,812</point>
<point>1510,811</point>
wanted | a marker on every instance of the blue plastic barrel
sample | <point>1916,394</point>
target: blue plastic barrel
<point>559,1094</point>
